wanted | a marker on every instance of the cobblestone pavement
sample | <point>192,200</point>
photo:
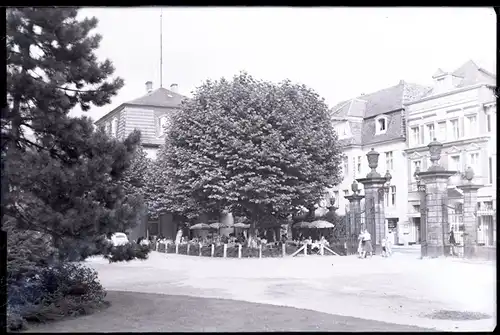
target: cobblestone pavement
<point>402,289</point>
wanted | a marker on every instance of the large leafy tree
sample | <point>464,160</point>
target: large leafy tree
<point>253,147</point>
<point>61,176</point>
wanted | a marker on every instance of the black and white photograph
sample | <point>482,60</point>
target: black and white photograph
<point>249,169</point>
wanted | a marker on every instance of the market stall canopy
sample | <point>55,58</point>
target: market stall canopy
<point>321,224</point>
<point>241,225</point>
<point>200,226</point>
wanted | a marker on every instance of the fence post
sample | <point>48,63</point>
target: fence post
<point>305,249</point>
<point>187,252</point>
<point>260,250</point>
<point>283,249</point>
<point>225,251</point>
<point>213,250</point>
<point>177,248</point>
<point>239,250</point>
<point>200,249</point>
<point>321,249</point>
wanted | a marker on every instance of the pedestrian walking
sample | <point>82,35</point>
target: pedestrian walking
<point>360,245</point>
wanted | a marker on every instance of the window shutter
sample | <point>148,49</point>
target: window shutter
<point>422,140</point>
<point>461,127</point>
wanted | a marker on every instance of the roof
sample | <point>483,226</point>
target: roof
<point>160,97</point>
<point>469,74</point>
<point>380,102</point>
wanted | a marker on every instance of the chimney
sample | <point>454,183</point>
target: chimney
<point>174,88</point>
<point>149,86</point>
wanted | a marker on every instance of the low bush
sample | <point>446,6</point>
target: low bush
<point>206,250</point>
<point>170,248</point>
<point>272,250</point>
<point>219,251</point>
<point>249,252</point>
<point>183,249</point>
<point>194,249</point>
<point>232,251</point>
<point>126,252</point>
<point>67,289</point>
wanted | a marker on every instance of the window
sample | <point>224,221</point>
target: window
<point>393,195</point>
<point>386,199</point>
<point>114,127</point>
<point>336,197</point>
<point>490,170</point>
<point>441,131</point>
<point>471,125</point>
<point>430,134</point>
<point>454,132</point>
<point>346,193</point>
<point>474,161</point>
<point>388,160</point>
<point>488,123</point>
<point>455,163</point>
<point>381,125</point>
<point>359,164</point>
<point>415,135</point>
<point>346,165</point>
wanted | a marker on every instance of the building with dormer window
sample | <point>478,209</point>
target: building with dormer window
<point>460,112</point>
<point>377,120</point>
<point>149,113</point>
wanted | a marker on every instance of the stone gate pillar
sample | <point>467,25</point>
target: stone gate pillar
<point>423,213</point>
<point>354,210</point>
<point>374,185</point>
<point>436,203</point>
<point>470,213</point>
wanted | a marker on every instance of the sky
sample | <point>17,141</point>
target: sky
<point>339,52</point>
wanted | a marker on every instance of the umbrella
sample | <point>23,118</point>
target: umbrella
<point>218,225</point>
<point>241,225</point>
<point>302,224</point>
<point>321,224</point>
<point>200,226</point>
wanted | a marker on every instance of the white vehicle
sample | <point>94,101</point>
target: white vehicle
<point>119,239</point>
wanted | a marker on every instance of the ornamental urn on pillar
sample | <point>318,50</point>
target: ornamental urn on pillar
<point>469,174</point>
<point>355,187</point>
<point>372,156</point>
<point>435,148</point>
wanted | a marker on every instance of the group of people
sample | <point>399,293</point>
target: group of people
<point>365,247</point>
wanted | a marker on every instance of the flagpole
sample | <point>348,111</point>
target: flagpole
<point>161,47</point>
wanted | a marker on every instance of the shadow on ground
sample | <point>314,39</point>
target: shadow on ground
<point>145,312</point>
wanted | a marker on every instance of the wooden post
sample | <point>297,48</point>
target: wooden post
<point>188,249</point>
<point>305,249</point>
<point>225,251</point>
<point>239,250</point>
<point>200,249</point>
<point>177,248</point>
<point>321,249</point>
<point>283,249</point>
<point>260,250</point>
<point>213,250</point>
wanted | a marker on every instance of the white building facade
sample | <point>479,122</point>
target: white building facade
<point>377,121</point>
<point>460,112</point>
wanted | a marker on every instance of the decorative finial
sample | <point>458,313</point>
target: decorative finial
<point>388,176</point>
<point>372,156</point>
<point>435,154</point>
<point>355,187</point>
<point>469,174</point>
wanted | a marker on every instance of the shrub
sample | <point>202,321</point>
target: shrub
<point>182,249</point>
<point>219,251</point>
<point>66,289</point>
<point>127,252</point>
<point>272,250</point>
<point>232,251</point>
<point>194,249</point>
<point>249,252</point>
<point>291,247</point>
<point>162,247</point>
<point>171,248</point>
<point>206,250</point>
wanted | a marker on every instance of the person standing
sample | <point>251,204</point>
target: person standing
<point>367,238</point>
<point>452,243</point>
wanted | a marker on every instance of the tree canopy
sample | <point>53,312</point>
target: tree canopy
<point>250,146</point>
<point>66,179</point>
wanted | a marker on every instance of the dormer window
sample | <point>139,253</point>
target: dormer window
<point>381,125</point>
<point>343,130</point>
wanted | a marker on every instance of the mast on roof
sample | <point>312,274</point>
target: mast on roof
<point>161,47</point>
